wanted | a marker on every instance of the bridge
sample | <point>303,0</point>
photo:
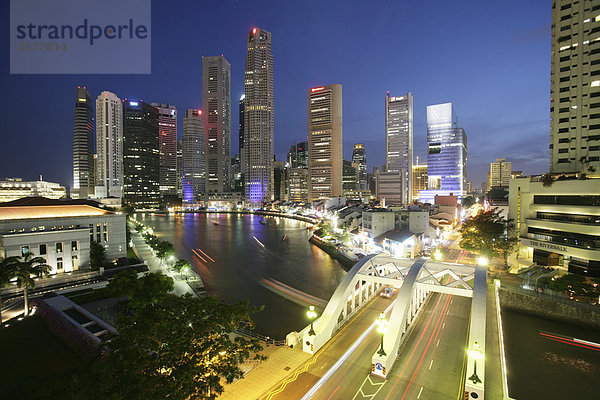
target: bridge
<point>416,280</point>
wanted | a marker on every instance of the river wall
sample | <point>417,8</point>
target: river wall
<point>330,249</point>
<point>585,315</point>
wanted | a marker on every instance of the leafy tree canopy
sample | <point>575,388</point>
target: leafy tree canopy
<point>485,233</point>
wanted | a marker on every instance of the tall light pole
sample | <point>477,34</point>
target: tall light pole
<point>382,327</point>
<point>311,314</point>
<point>476,354</point>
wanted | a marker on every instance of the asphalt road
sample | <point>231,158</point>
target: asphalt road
<point>430,365</point>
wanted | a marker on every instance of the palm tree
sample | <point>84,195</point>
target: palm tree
<point>23,268</point>
<point>6,269</point>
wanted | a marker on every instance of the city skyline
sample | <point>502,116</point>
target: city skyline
<point>527,122</point>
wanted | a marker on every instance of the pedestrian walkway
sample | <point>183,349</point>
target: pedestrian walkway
<point>281,362</point>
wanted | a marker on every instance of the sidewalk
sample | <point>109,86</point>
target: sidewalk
<point>281,362</point>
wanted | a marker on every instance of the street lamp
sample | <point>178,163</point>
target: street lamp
<point>437,255</point>
<point>312,314</point>
<point>483,261</point>
<point>382,327</point>
<point>476,354</point>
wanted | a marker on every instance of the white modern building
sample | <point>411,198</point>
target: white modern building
<point>376,222</point>
<point>399,145</point>
<point>15,188</point>
<point>500,173</point>
<point>557,225</point>
<point>109,146</point>
<point>60,232</point>
<point>193,162</point>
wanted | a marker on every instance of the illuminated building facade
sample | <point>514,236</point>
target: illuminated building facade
<point>193,162</point>
<point>325,142</point>
<point>399,142</point>
<point>359,157</point>
<point>167,142</point>
<point>419,180</point>
<point>15,188</point>
<point>216,104</point>
<point>500,173</point>
<point>109,146</point>
<point>83,146</point>
<point>259,121</point>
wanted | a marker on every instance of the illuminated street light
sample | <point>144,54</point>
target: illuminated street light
<point>382,327</point>
<point>437,255</point>
<point>476,354</point>
<point>312,314</point>
<point>483,261</point>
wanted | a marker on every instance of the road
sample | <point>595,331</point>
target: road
<point>430,365</point>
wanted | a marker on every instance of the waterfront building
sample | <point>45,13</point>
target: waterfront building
<point>109,146</point>
<point>193,162</point>
<point>279,181</point>
<point>141,155</point>
<point>557,225</point>
<point>15,188</point>
<point>258,118</point>
<point>297,184</point>
<point>167,142</point>
<point>359,157</point>
<point>83,146</point>
<point>446,155</point>
<point>419,179</point>
<point>377,221</point>
<point>500,173</point>
<point>574,87</point>
<point>399,142</point>
<point>179,169</point>
<point>241,136</point>
<point>60,232</point>
<point>216,103</point>
<point>325,142</point>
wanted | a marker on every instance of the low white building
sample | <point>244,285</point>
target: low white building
<point>15,188</point>
<point>557,225</point>
<point>60,232</point>
<point>377,221</point>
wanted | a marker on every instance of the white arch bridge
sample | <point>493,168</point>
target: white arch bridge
<point>417,279</point>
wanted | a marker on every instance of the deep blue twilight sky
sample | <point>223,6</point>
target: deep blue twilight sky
<point>491,59</point>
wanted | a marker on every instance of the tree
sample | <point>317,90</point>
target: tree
<point>6,272</point>
<point>143,291</point>
<point>123,283</point>
<point>547,180</point>
<point>497,193</point>
<point>97,254</point>
<point>485,233</point>
<point>181,265</point>
<point>164,249</point>
<point>468,201</point>
<point>22,269</point>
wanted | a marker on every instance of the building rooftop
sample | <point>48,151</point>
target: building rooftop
<point>35,201</point>
<point>49,211</point>
<point>395,235</point>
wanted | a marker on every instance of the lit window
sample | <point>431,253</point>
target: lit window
<point>595,83</point>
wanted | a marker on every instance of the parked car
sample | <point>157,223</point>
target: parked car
<point>387,292</point>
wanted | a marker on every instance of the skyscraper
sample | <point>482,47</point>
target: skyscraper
<point>399,141</point>
<point>241,126</point>
<point>349,177</point>
<point>359,156</point>
<point>83,146</point>
<point>216,103</point>
<point>298,155</point>
<point>141,155</point>
<point>109,146</point>
<point>419,181</point>
<point>574,87</point>
<point>297,172</point>
<point>500,172</point>
<point>258,118</point>
<point>325,142</point>
<point>167,141</point>
<point>447,154</point>
<point>193,163</point>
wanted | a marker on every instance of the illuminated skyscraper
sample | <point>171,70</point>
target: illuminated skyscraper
<point>216,103</point>
<point>258,118</point>
<point>193,163</point>
<point>359,157</point>
<point>109,146</point>
<point>325,142</point>
<point>167,141</point>
<point>83,146</point>
<point>447,154</point>
<point>399,144</point>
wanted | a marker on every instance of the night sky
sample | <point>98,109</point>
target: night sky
<point>491,59</point>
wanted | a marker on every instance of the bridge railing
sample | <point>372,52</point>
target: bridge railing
<point>265,339</point>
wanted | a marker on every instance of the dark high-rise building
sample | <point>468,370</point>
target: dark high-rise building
<point>167,142</point>
<point>141,155</point>
<point>298,155</point>
<point>83,146</point>
<point>241,125</point>
<point>179,169</point>
<point>349,176</point>
<point>359,157</point>
<point>216,104</point>
<point>259,121</point>
<point>193,161</point>
<point>279,181</point>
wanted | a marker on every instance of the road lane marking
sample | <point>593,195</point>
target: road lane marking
<point>420,391</point>
<point>336,389</point>
<point>431,363</point>
<point>438,343</point>
<point>443,326</point>
<point>367,395</point>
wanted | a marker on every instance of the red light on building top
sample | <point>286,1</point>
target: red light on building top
<point>317,89</point>
<point>253,31</point>
<point>199,112</point>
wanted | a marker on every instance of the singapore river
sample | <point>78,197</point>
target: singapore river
<point>241,250</point>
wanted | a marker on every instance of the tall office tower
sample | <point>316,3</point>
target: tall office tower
<point>216,103</point>
<point>193,162</point>
<point>349,177</point>
<point>179,169</point>
<point>167,141</point>
<point>575,87</point>
<point>109,146</point>
<point>297,157</point>
<point>236,174</point>
<point>419,181</point>
<point>279,181</point>
<point>83,146</point>
<point>447,154</point>
<point>241,127</point>
<point>258,118</point>
<point>325,142</point>
<point>399,141</point>
<point>359,156</point>
<point>500,172</point>
<point>141,155</point>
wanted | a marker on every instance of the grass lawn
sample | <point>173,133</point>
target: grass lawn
<point>29,355</point>
<point>88,295</point>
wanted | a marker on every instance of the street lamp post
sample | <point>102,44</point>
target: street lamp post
<point>312,314</point>
<point>476,354</point>
<point>382,327</point>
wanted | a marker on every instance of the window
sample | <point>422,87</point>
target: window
<point>75,261</point>
<point>59,264</point>
<point>59,247</point>
<point>105,232</point>
<point>43,249</point>
<point>24,251</point>
<point>74,246</point>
